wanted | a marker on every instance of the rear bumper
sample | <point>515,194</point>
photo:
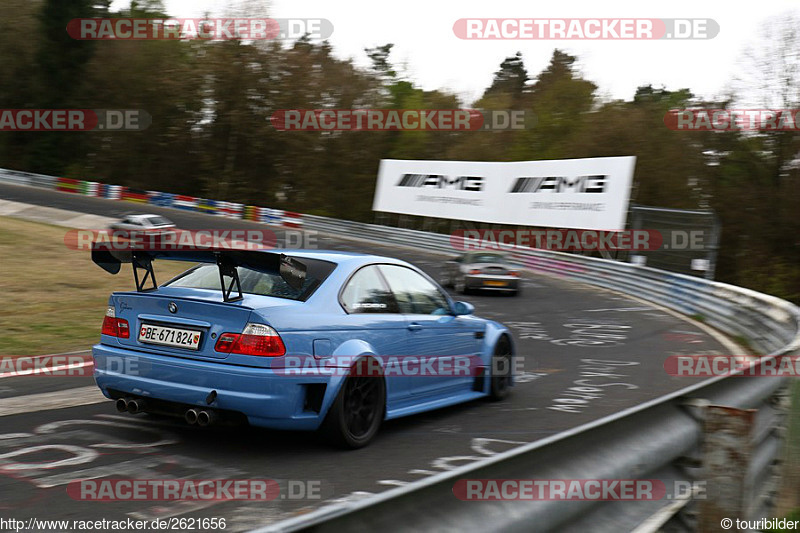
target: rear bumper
<point>265,398</point>
<point>491,283</point>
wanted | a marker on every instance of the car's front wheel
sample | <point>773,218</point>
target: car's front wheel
<point>357,412</point>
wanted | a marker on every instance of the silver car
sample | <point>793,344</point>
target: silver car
<point>482,271</point>
<point>144,223</point>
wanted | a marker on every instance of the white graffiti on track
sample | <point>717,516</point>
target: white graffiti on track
<point>480,448</point>
<point>594,335</point>
<point>57,453</point>
<point>586,333</point>
<point>529,330</point>
<point>596,378</point>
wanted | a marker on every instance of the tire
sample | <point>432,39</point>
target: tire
<point>500,380</point>
<point>357,412</point>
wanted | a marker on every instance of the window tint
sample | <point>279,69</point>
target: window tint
<point>488,258</point>
<point>158,221</point>
<point>206,276</point>
<point>414,293</point>
<point>367,293</point>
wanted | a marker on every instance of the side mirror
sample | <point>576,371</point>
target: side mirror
<point>463,308</point>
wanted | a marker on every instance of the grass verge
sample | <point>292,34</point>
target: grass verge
<point>54,298</point>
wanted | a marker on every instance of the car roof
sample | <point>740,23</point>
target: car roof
<point>479,257</point>
<point>486,252</point>
<point>337,256</point>
<point>148,215</point>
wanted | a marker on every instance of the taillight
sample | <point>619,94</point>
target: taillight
<point>513,273</point>
<point>256,339</point>
<point>113,326</point>
<point>109,326</point>
<point>475,272</point>
<point>226,342</point>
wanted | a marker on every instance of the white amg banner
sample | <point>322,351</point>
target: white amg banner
<point>567,193</point>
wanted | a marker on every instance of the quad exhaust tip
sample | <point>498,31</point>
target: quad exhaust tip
<point>191,416</point>
<point>135,406</point>
<point>201,417</point>
<point>122,405</point>
<point>206,418</point>
<point>130,405</point>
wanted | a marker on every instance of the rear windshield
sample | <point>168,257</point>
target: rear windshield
<point>159,221</point>
<point>488,258</point>
<point>206,276</point>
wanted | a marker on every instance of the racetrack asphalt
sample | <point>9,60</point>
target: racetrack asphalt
<point>586,353</point>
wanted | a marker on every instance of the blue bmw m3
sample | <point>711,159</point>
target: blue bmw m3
<point>291,339</point>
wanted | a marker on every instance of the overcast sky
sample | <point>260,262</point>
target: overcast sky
<point>430,53</point>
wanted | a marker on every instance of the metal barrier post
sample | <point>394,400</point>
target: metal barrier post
<point>727,450</point>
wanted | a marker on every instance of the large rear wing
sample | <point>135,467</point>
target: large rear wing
<point>290,269</point>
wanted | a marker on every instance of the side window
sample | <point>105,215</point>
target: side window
<point>367,293</point>
<point>414,293</point>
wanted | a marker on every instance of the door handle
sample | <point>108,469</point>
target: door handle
<point>414,326</point>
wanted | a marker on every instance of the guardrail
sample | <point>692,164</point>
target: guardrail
<point>767,322</point>
<point>662,439</point>
<point>96,189</point>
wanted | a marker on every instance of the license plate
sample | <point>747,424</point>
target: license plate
<point>492,283</point>
<point>179,338</point>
